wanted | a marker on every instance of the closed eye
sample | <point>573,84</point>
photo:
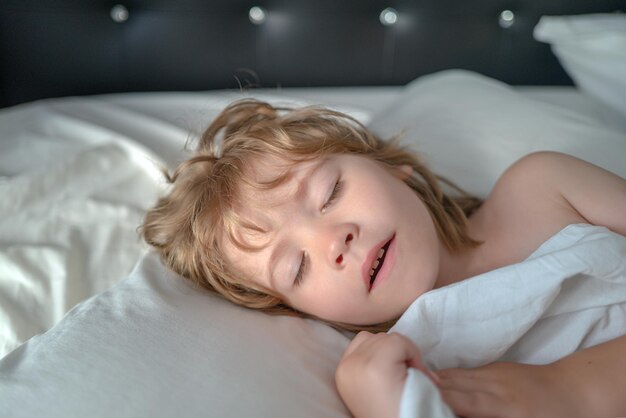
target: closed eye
<point>301,270</point>
<point>303,263</point>
<point>333,196</point>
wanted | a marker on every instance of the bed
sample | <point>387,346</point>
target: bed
<point>97,97</point>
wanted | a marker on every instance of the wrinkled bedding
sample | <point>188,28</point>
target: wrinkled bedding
<point>67,232</point>
<point>76,175</point>
<point>570,294</point>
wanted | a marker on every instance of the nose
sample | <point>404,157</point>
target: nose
<point>340,243</point>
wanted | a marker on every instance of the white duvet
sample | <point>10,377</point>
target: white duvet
<point>570,294</point>
<point>73,194</point>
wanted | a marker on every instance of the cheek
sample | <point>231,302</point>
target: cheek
<point>421,265</point>
<point>333,306</point>
<point>375,196</point>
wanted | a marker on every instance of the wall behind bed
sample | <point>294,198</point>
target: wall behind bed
<point>51,48</point>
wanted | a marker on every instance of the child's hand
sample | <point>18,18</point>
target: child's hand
<point>508,390</point>
<point>371,375</point>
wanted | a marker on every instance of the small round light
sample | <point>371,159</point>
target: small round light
<point>119,13</point>
<point>507,18</point>
<point>257,15</point>
<point>388,17</point>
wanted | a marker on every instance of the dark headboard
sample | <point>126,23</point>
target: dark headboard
<point>52,48</point>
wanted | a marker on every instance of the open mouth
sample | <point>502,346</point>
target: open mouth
<point>378,263</point>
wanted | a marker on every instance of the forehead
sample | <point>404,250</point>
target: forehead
<point>266,169</point>
<point>273,183</point>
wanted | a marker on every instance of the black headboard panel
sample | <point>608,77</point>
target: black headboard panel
<point>54,48</point>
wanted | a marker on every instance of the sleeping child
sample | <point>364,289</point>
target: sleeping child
<point>305,212</point>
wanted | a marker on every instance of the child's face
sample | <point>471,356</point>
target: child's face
<point>341,239</point>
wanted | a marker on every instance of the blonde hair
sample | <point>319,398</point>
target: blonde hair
<point>187,226</point>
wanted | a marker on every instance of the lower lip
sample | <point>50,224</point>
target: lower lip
<point>390,259</point>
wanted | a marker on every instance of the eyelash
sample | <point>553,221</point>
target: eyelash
<point>301,270</point>
<point>303,262</point>
<point>333,195</point>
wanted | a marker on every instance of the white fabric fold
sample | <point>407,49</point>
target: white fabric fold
<point>570,294</point>
<point>68,231</point>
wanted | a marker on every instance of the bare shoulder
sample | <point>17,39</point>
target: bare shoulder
<point>590,193</point>
<point>527,206</point>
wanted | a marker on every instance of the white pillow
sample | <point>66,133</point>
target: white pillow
<point>470,128</point>
<point>592,49</point>
<point>153,346</point>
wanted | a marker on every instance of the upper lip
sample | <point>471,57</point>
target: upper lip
<point>369,260</point>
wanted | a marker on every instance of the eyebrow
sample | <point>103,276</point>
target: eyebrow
<point>301,192</point>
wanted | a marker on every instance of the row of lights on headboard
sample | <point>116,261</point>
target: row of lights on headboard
<point>387,17</point>
<point>258,15</point>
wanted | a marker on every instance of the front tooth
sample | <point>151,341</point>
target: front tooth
<point>381,252</point>
<point>371,272</point>
<point>376,263</point>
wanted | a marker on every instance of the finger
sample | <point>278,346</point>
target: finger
<point>467,380</point>
<point>416,362</point>
<point>359,339</point>
<point>488,371</point>
<point>413,357</point>
<point>474,404</point>
<point>460,373</point>
<point>456,372</point>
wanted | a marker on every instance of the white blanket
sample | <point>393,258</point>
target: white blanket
<point>72,196</point>
<point>570,294</point>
